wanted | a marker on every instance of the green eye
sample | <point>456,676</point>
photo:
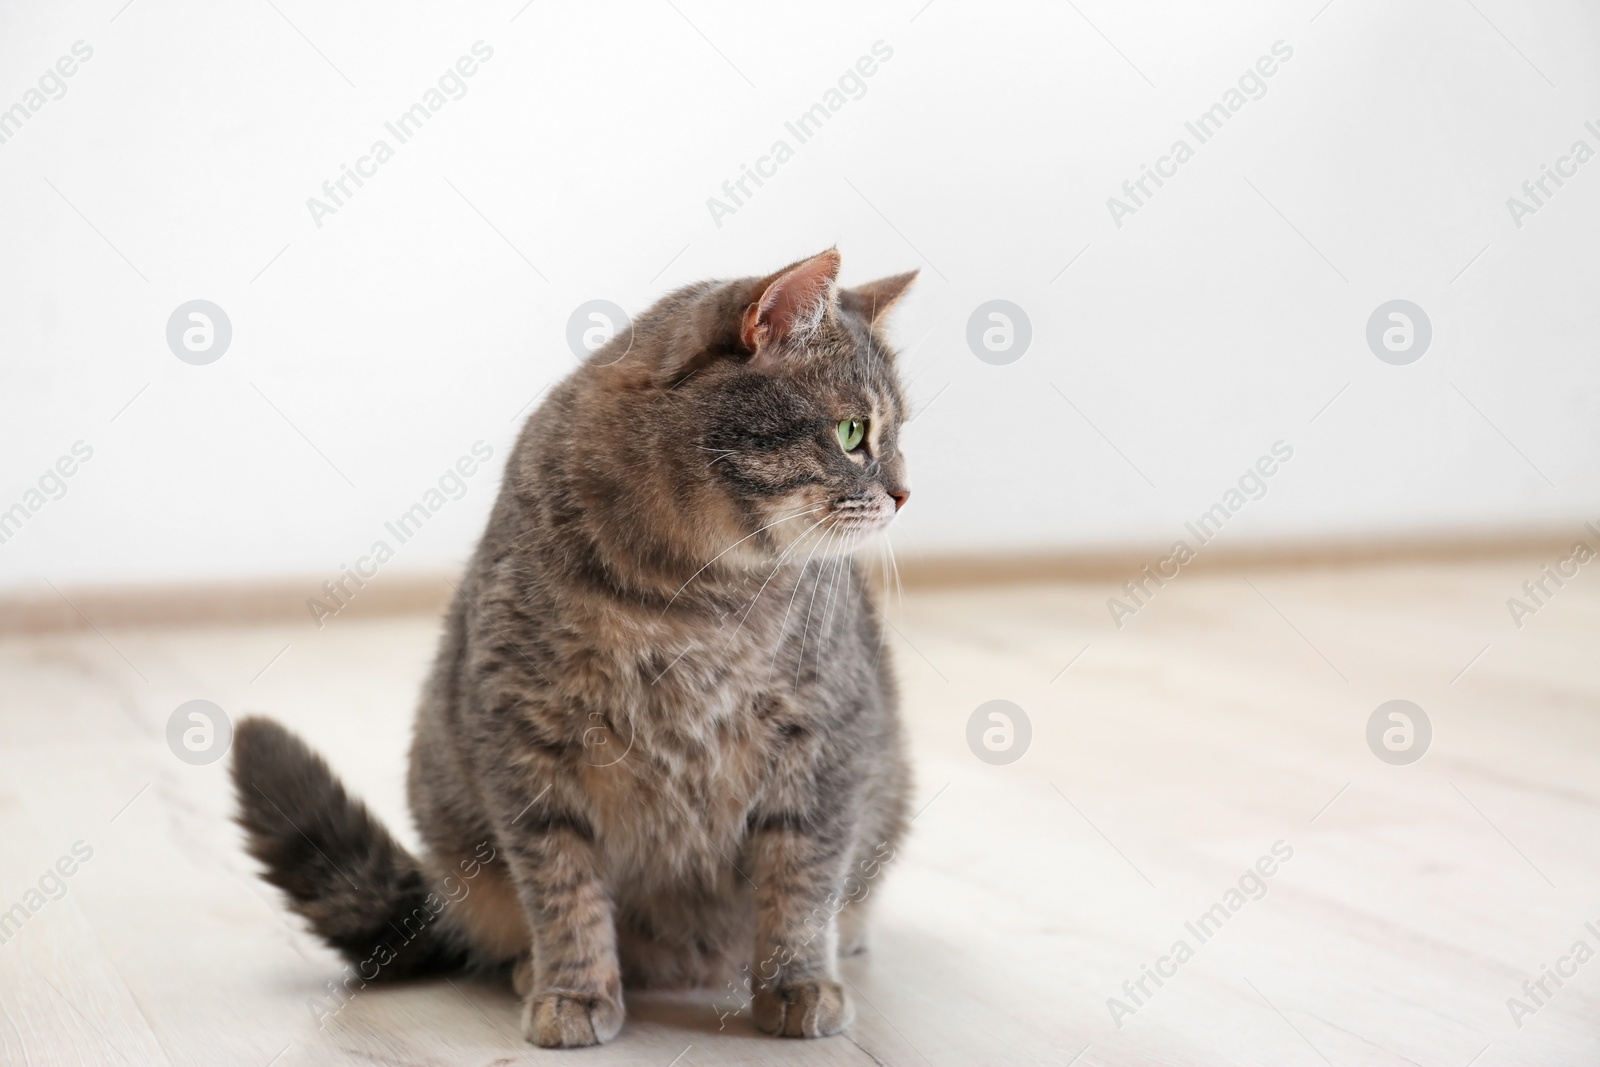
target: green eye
<point>851,432</point>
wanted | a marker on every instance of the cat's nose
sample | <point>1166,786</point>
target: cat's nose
<point>900,497</point>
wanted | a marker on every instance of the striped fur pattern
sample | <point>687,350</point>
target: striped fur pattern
<point>660,697</point>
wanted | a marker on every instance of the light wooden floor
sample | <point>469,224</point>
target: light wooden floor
<point>1227,716</point>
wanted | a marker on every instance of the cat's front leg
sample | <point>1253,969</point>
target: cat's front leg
<point>798,867</point>
<point>574,994</point>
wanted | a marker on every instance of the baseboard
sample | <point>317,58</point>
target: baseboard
<point>286,601</point>
<point>205,604</point>
<point>1120,565</point>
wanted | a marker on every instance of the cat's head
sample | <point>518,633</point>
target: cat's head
<point>773,408</point>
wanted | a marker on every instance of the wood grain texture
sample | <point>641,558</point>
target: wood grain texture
<point>1226,716</point>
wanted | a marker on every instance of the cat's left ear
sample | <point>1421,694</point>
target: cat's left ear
<point>791,306</point>
<point>873,300</point>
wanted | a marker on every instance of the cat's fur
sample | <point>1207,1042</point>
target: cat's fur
<point>660,703</point>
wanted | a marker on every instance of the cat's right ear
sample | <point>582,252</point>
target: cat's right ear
<point>791,305</point>
<point>874,300</point>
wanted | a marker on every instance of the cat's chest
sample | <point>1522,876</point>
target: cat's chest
<point>675,796</point>
<point>682,677</point>
<point>689,726</point>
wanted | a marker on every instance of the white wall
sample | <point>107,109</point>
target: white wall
<point>1202,330</point>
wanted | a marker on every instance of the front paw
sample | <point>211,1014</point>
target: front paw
<point>815,1008</point>
<point>570,1019</point>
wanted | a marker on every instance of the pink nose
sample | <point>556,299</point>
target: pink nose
<point>900,497</point>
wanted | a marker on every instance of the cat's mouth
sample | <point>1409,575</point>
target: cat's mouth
<point>856,519</point>
<point>827,528</point>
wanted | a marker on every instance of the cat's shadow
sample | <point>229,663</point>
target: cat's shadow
<point>421,1011</point>
<point>691,1011</point>
<point>696,1010</point>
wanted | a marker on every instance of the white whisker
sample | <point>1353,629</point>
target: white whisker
<point>843,565</point>
<point>784,626</point>
<point>722,454</point>
<point>736,544</point>
<point>900,589</point>
<point>776,567</point>
<point>806,632</point>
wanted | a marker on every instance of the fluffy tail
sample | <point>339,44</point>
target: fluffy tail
<point>363,893</point>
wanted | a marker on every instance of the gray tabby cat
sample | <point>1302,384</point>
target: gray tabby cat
<point>660,746</point>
